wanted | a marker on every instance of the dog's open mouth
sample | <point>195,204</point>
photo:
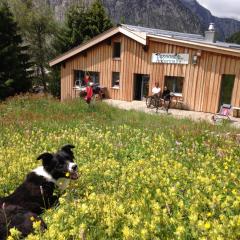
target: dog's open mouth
<point>73,175</point>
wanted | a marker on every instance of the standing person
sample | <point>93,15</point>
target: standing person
<point>156,90</point>
<point>166,97</point>
<point>89,91</point>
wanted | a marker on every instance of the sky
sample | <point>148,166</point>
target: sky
<point>223,8</point>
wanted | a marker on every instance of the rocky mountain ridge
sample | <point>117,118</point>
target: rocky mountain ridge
<point>225,27</point>
<point>176,15</point>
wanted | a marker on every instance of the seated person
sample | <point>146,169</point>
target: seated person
<point>98,91</point>
<point>166,96</point>
<point>156,90</point>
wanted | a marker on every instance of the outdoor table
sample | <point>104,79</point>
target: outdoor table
<point>236,111</point>
<point>176,99</point>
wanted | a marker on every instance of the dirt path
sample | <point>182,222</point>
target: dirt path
<point>141,106</point>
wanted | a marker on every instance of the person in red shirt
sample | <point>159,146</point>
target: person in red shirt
<point>89,91</point>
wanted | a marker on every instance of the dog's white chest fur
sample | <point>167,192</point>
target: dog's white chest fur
<point>40,171</point>
<point>62,183</point>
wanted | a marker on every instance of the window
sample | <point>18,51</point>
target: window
<point>94,76</point>
<point>174,84</point>
<point>116,50</point>
<point>115,79</point>
<point>79,77</point>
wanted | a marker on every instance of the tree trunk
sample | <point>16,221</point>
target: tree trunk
<point>41,57</point>
<point>43,77</point>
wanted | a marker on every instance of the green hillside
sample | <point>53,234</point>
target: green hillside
<point>141,176</point>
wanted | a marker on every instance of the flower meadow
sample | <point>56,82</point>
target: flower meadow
<point>141,176</point>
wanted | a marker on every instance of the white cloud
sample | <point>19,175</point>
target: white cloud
<point>223,8</point>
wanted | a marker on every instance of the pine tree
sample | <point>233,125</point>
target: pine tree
<point>14,76</point>
<point>37,23</point>
<point>71,34</point>
<point>235,38</point>
<point>82,24</point>
<point>97,20</point>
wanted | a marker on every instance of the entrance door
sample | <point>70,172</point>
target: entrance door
<point>226,89</point>
<point>141,86</point>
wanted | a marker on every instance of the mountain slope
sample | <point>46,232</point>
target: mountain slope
<point>176,15</point>
<point>225,27</point>
<point>163,14</point>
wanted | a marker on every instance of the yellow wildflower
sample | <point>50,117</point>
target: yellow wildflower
<point>126,232</point>
<point>207,225</point>
<point>180,230</point>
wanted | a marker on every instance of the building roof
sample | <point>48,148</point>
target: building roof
<point>180,36</point>
<point>165,33</point>
<point>141,34</point>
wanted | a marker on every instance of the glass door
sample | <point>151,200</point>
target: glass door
<point>141,86</point>
<point>145,86</point>
<point>227,84</point>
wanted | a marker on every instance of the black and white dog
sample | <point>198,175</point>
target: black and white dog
<point>36,193</point>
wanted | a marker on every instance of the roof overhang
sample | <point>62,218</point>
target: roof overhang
<point>137,36</point>
<point>142,38</point>
<point>196,45</point>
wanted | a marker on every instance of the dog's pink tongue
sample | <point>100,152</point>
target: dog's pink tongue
<point>74,175</point>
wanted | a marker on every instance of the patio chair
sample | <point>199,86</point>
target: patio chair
<point>177,101</point>
<point>223,113</point>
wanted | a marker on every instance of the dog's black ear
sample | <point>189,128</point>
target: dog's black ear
<point>45,157</point>
<point>67,147</point>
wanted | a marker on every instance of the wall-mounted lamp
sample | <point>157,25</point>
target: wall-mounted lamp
<point>196,56</point>
<point>194,59</point>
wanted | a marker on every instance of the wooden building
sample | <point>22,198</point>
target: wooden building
<point>128,60</point>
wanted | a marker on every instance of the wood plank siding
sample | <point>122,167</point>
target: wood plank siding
<point>202,81</point>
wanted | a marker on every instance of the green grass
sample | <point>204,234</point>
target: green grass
<point>142,176</point>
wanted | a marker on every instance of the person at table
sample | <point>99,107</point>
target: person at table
<point>166,96</point>
<point>156,90</point>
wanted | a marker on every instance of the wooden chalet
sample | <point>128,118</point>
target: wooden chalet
<point>128,60</point>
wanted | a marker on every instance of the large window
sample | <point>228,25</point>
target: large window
<point>116,49</point>
<point>79,77</point>
<point>174,84</point>
<point>94,76</point>
<point>115,79</point>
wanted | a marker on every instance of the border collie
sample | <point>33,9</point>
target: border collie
<point>36,193</point>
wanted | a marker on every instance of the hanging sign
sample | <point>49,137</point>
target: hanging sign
<point>172,58</point>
